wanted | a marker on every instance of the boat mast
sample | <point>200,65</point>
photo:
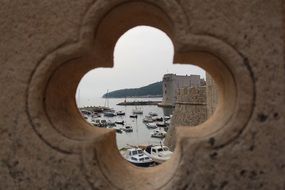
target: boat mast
<point>106,104</point>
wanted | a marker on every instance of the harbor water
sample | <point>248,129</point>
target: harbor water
<point>141,135</point>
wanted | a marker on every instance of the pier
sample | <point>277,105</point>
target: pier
<point>138,103</point>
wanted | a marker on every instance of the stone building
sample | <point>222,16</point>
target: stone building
<point>191,109</point>
<point>47,46</point>
<point>171,83</point>
<point>193,106</point>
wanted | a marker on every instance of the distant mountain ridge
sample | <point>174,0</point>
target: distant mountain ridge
<point>154,89</point>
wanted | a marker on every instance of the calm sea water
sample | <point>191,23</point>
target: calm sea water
<point>141,134</point>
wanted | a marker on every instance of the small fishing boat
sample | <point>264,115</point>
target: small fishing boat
<point>111,123</point>
<point>158,134</point>
<point>95,115</point>
<point>147,119</point>
<point>167,123</point>
<point>85,112</point>
<point>155,118</point>
<point>109,114</point>
<point>152,114</point>
<point>137,157</point>
<point>158,153</point>
<point>120,113</point>
<point>100,123</point>
<point>120,122</point>
<point>137,111</point>
<point>166,118</point>
<point>151,125</point>
<point>161,124</point>
<point>133,116</point>
<point>128,128</point>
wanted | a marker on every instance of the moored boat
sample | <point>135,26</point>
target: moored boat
<point>120,113</point>
<point>147,119</point>
<point>109,114</point>
<point>100,123</point>
<point>120,122</point>
<point>137,157</point>
<point>166,118</point>
<point>137,111</point>
<point>161,124</point>
<point>128,128</point>
<point>110,123</point>
<point>152,114</point>
<point>156,118</point>
<point>158,134</point>
<point>158,153</point>
<point>151,125</point>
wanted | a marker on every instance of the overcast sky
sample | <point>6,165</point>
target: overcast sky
<point>142,56</point>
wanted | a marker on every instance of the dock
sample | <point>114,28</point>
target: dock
<point>138,103</point>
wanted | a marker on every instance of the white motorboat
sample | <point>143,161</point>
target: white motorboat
<point>137,111</point>
<point>158,134</point>
<point>100,123</point>
<point>161,124</point>
<point>128,128</point>
<point>120,122</point>
<point>167,123</point>
<point>109,114</point>
<point>147,119</point>
<point>166,118</point>
<point>156,118</point>
<point>151,125</point>
<point>120,113</point>
<point>152,114</point>
<point>158,153</point>
<point>137,157</point>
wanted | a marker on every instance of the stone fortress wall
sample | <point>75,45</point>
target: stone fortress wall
<point>190,107</point>
<point>211,94</point>
<point>194,105</point>
<point>171,83</point>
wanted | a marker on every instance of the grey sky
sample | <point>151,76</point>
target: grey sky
<point>142,56</point>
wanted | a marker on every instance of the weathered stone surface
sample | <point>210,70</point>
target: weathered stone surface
<point>47,46</point>
<point>190,111</point>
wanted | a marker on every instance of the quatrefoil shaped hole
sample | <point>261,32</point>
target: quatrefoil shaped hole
<point>68,121</point>
<point>63,112</point>
<point>55,117</point>
<point>145,118</point>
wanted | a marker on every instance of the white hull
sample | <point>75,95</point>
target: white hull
<point>156,159</point>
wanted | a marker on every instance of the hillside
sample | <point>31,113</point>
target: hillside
<point>154,89</point>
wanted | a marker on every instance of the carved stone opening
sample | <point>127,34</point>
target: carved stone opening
<point>56,119</point>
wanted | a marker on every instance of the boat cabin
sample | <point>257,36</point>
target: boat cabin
<point>154,150</point>
<point>137,157</point>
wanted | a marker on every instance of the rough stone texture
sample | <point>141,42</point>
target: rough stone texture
<point>171,83</point>
<point>190,110</point>
<point>191,107</point>
<point>46,46</point>
<point>212,95</point>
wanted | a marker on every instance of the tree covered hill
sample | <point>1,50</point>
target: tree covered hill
<point>154,89</point>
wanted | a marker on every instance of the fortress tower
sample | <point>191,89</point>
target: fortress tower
<point>172,83</point>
